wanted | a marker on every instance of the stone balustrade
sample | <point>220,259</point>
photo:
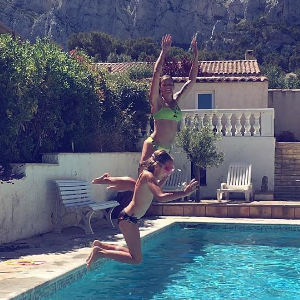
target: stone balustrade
<point>233,122</point>
<point>230,122</point>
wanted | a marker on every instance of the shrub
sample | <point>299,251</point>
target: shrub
<point>286,136</point>
<point>51,99</point>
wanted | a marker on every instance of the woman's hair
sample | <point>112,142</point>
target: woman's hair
<point>160,156</point>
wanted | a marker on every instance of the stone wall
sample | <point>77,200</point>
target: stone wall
<point>286,104</point>
<point>27,207</point>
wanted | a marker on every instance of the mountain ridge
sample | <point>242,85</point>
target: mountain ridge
<point>58,19</point>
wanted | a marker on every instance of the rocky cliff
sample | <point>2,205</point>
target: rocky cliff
<point>57,19</point>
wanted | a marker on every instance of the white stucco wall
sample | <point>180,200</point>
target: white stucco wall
<point>286,104</point>
<point>229,95</point>
<point>27,207</point>
<point>258,151</point>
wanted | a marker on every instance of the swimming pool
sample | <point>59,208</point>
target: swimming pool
<point>202,262</point>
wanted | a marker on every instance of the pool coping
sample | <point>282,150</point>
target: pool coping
<point>34,282</point>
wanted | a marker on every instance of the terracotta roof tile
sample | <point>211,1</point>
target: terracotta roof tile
<point>236,67</point>
<point>210,71</point>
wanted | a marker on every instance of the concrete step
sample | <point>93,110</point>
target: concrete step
<point>287,160</point>
<point>288,146</point>
<point>283,196</point>
<point>287,166</point>
<point>287,182</point>
<point>286,172</point>
<point>287,189</point>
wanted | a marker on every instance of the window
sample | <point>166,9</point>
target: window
<point>205,100</point>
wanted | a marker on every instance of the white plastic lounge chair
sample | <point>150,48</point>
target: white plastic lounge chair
<point>176,182</point>
<point>238,180</point>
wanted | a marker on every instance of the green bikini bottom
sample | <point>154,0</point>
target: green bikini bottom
<point>156,145</point>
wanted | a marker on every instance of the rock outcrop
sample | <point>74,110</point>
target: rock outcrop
<point>57,19</point>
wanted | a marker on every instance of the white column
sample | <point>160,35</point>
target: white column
<point>210,117</point>
<point>256,124</point>
<point>247,124</point>
<point>228,125</point>
<point>219,123</point>
<point>238,125</point>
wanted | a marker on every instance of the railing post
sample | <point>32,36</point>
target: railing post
<point>247,124</point>
<point>256,124</point>
<point>228,125</point>
<point>238,125</point>
<point>267,122</point>
<point>219,122</point>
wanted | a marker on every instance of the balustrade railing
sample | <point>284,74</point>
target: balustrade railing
<point>234,122</point>
<point>231,122</point>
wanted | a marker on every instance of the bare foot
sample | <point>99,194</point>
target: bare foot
<point>96,243</point>
<point>101,180</point>
<point>97,253</point>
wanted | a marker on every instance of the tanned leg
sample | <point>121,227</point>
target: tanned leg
<point>147,151</point>
<point>116,183</point>
<point>105,246</point>
<point>132,237</point>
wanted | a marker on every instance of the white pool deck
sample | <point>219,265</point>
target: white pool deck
<point>67,251</point>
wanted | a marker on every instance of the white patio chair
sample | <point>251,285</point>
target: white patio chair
<point>176,182</point>
<point>238,180</point>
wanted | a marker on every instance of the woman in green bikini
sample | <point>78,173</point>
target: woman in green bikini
<point>164,103</point>
<point>165,111</point>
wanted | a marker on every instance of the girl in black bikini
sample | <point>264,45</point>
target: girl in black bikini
<point>156,171</point>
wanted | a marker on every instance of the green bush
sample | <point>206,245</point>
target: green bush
<point>51,99</point>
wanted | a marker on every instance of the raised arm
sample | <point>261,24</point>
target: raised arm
<point>160,196</point>
<point>193,73</point>
<point>154,89</point>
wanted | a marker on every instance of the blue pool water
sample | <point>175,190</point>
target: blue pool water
<point>201,263</point>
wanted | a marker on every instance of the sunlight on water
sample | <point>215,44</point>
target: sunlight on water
<point>201,264</point>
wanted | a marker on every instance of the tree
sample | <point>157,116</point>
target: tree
<point>199,144</point>
<point>145,44</point>
<point>275,76</point>
<point>96,44</point>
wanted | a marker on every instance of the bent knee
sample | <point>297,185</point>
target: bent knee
<point>96,243</point>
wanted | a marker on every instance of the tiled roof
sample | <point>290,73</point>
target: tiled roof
<point>231,67</point>
<point>210,71</point>
<point>225,79</point>
<point>121,67</point>
<point>4,28</point>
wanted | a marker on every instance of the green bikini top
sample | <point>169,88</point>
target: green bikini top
<point>167,113</point>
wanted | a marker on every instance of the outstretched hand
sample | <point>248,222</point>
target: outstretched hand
<point>166,42</point>
<point>191,187</point>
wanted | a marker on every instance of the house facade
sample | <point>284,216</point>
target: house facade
<point>227,85</point>
<point>233,97</point>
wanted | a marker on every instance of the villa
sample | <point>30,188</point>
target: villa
<point>234,97</point>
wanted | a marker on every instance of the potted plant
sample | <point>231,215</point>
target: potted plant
<point>199,143</point>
